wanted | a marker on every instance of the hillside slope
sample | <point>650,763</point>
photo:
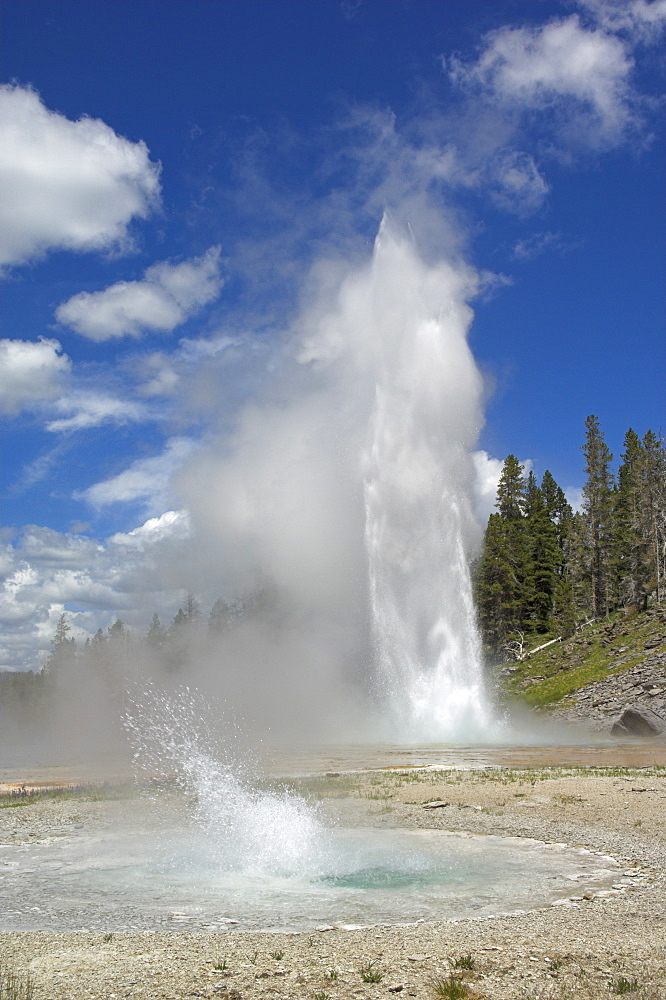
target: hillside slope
<point>610,664</point>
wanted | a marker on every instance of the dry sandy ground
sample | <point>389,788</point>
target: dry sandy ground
<point>588,948</point>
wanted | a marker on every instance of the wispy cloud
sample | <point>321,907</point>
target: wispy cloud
<point>147,479</point>
<point>167,296</point>
<point>639,20</point>
<point>540,243</point>
<point>88,409</point>
<point>577,78</point>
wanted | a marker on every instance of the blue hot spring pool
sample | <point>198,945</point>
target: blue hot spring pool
<point>182,878</point>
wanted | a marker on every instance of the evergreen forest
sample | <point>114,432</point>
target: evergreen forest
<point>546,569</point>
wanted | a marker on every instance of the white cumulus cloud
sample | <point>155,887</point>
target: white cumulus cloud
<point>30,372</point>
<point>487,472</point>
<point>44,571</point>
<point>167,295</point>
<point>74,185</point>
<point>171,524</point>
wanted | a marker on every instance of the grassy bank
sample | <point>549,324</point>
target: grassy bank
<point>608,646</point>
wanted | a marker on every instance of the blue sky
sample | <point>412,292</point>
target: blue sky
<point>182,182</point>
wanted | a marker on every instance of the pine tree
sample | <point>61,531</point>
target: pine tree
<point>557,506</point>
<point>653,502</point>
<point>63,649</point>
<point>156,635</point>
<point>500,587</point>
<point>178,640</point>
<point>543,557</point>
<point>192,609</point>
<point>510,500</point>
<point>98,640</point>
<point>577,564</point>
<point>564,606</point>
<point>118,633</point>
<point>632,541</point>
<point>598,512</point>
<point>497,588</point>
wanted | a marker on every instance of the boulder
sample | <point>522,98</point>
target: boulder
<point>636,720</point>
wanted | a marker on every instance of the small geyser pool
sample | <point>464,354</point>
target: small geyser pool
<point>144,881</point>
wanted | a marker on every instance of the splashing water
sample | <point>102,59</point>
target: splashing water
<point>424,423</point>
<point>246,829</point>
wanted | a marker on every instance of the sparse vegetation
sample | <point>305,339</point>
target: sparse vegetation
<point>369,974</point>
<point>277,955</point>
<point>14,985</point>
<point>623,985</point>
<point>463,962</point>
<point>24,796</point>
<point>332,975</point>
<point>451,988</point>
<point>220,965</point>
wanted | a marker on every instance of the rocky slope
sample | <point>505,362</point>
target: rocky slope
<point>594,676</point>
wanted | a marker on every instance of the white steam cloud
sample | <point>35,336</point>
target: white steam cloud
<point>283,504</point>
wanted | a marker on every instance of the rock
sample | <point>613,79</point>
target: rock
<point>435,805</point>
<point>639,721</point>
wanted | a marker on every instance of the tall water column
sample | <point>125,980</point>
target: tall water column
<point>417,468</point>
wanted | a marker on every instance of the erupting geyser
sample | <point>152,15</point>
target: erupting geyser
<point>417,484</point>
<point>348,485</point>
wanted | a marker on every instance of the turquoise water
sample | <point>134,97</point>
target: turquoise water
<point>126,881</point>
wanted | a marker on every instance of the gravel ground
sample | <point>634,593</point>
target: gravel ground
<point>586,948</point>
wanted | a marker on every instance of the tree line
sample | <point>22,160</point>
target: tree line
<point>546,568</point>
<point>110,652</point>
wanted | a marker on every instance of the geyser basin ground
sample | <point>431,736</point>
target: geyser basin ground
<point>581,948</point>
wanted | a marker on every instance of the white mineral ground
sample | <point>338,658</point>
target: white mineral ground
<point>589,948</point>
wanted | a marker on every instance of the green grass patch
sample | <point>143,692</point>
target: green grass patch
<point>464,962</point>
<point>608,646</point>
<point>623,985</point>
<point>369,974</point>
<point>553,689</point>
<point>450,988</point>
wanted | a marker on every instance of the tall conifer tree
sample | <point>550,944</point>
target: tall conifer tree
<point>543,556</point>
<point>598,513</point>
